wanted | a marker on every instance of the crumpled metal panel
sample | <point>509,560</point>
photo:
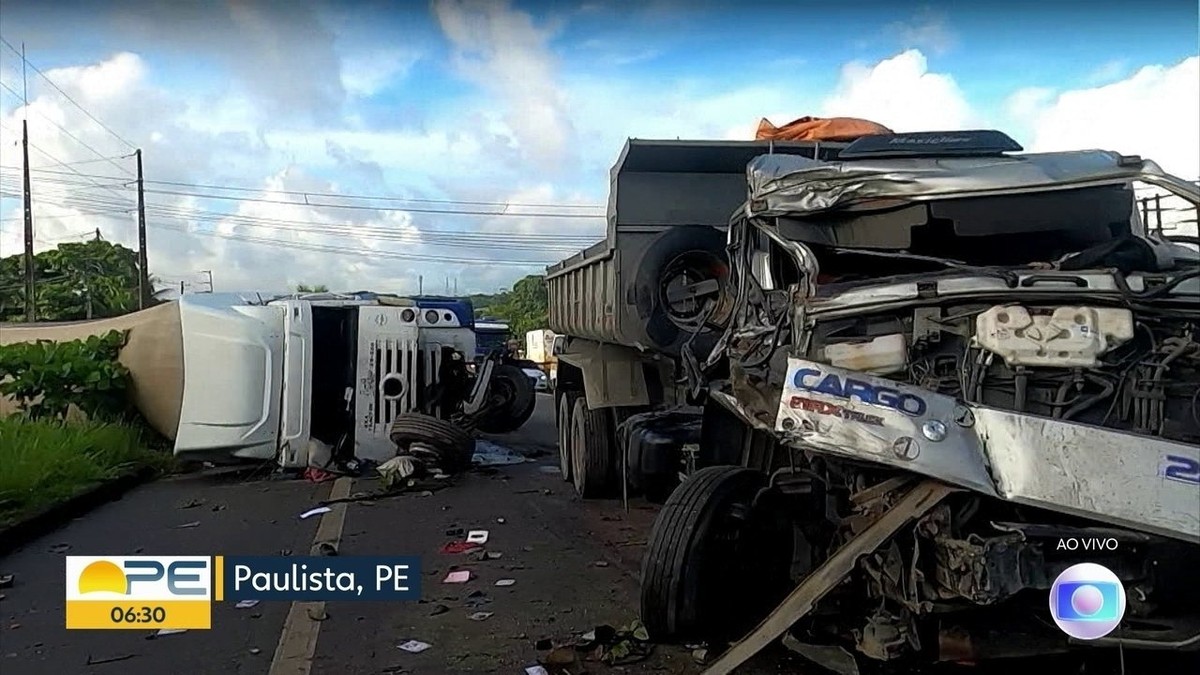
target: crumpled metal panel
<point>788,184</point>
<point>1139,482</point>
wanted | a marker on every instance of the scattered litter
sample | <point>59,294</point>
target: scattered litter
<point>255,650</point>
<point>315,475</point>
<point>600,563</point>
<point>317,614</point>
<point>218,507</point>
<point>543,644</point>
<point>477,536</point>
<point>327,549</point>
<point>700,656</point>
<point>60,548</point>
<point>536,670</point>
<point>194,523</point>
<point>108,659</point>
<point>527,549</point>
<point>455,532</point>
<point>315,512</point>
<point>559,657</point>
<point>162,632</point>
<point>490,454</point>
<point>440,476</point>
<point>397,469</point>
<point>438,609</point>
<point>246,604</point>
<point>427,493</point>
<point>490,555</point>
<point>481,616</point>
<point>14,626</point>
<point>285,552</point>
<point>500,520</point>
<point>455,547</point>
<point>192,503</point>
<point>459,577</point>
<point>506,582</point>
<point>414,646</point>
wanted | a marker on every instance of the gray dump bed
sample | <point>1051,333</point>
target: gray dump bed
<point>654,186</point>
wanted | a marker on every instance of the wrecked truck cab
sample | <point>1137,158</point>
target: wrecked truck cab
<point>308,380</point>
<point>999,330</point>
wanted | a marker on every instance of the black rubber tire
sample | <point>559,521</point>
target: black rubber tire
<point>453,447</point>
<point>520,400</point>
<point>646,283</point>
<point>593,454</point>
<point>714,565</point>
<point>566,404</point>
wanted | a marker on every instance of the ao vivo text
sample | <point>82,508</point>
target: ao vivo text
<point>1087,544</point>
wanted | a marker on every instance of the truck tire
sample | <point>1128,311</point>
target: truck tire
<point>693,252</point>
<point>566,403</point>
<point>452,447</point>
<point>516,397</point>
<point>714,564</point>
<point>591,450</point>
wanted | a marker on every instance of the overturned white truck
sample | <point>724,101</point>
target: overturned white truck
<point>900,384</point>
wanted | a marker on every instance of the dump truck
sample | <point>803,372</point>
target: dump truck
<point>885,387</point>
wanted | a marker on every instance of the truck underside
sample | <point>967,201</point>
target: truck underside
<point>1029,351</point>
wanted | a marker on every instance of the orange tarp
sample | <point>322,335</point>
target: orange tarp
<point>819,129</point>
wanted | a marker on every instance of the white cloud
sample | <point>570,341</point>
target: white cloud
<point>501,50</point>
<point>900,93</point>
<point>1154,113</point>
<point>366,73</point>
<point>927,30</point>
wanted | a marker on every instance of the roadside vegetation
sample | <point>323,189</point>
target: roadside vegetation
<point>74,427</point>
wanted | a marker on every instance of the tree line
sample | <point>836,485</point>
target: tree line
<point>75,281</point>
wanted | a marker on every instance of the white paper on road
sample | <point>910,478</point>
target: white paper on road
<point>314,512</point>
<point>477,536</point>
<point>414,646</point>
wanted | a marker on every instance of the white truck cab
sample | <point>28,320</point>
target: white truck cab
<point>265,376</point>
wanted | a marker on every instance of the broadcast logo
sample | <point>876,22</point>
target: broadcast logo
<point>1087,601</point>
<point>139,592</point>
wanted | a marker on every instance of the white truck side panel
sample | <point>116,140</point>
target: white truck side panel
<point>388,350</point>
<point>233,367</point>
<point>297,384</point>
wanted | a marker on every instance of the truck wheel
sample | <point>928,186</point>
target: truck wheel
<point>514,398</point>
<point>715,563</point>
<point>682,270</point>
<point>452,448</point>
<point>591,449</point>
<point>566,402</point>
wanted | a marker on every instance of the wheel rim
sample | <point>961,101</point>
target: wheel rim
<point>564,438</point>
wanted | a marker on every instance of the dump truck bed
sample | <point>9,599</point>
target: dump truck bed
<point>655,186</point>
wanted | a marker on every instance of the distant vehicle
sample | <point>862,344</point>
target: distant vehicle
<point>540,381</point>
<point>490,335</point>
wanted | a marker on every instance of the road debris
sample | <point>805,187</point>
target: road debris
<point>315,475</point>
<point>476,599</point>
<point>315,512</point>
<point>700,655</point>
<point>255,650</point>
<point>600,563</point>
<point>489,555</point>
<point>438,609</point>
<point>490,454</point>
<point>455,532</point>
<point>477,536</point>
<point>194,523</point>
<point>192,503</point>
<point>246,604</point>
<point>108,659</point>
<point>317,614</point>
<point>414,646</point>
<point>397,469</point>
<point>163,632</point>
<point>456,547</point>
<point>459,577</point>
<point>60,548</point>
<point>481,616</point>
<point>536,670</point>
<point>501,521</point>
<point>506,582</point>
<point>327,549</point>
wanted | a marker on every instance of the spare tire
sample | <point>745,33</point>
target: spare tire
<point>513,397</point>
<point>450,446</point>
<point>681,272</point>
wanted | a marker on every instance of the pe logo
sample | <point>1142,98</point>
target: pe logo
<point>1087,601</point>
<point>139,592</point>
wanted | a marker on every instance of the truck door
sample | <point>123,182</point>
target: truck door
<point>387,376</point>
<point>232,378</point>
<point>296,422</point>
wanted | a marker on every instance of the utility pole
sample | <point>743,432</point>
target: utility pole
<point>30,268</point>
<point>456,287</point>
<point>420,281</point>
<point>181,288</point>
<point>143,273</point>
<point>208,273</point>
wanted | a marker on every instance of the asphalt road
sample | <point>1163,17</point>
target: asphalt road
<point>575,565</point>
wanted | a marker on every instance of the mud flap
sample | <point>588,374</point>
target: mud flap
<point>801,601</point>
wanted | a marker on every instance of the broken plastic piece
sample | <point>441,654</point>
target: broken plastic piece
<point>454,547</point>
<point>315,512</point>
<point>6,580</point>
<point>414,646</point>
<point>477,536</point>
<point>194,523</point>
<point>459,577</point>
<point>481,616</point>
<point>169,631</point>
<point>536,670</point>
<point>506,582</point>
<point>246,604</point>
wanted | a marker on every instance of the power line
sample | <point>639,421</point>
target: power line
<point>68,133</point>
<point>335,195</point>
<point>66,95</point>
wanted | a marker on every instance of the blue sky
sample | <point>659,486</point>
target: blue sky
<point>526,102</point>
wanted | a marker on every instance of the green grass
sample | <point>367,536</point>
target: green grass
<point>47,461</point>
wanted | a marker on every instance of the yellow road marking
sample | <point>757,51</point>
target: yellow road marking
<point>298,642</point>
